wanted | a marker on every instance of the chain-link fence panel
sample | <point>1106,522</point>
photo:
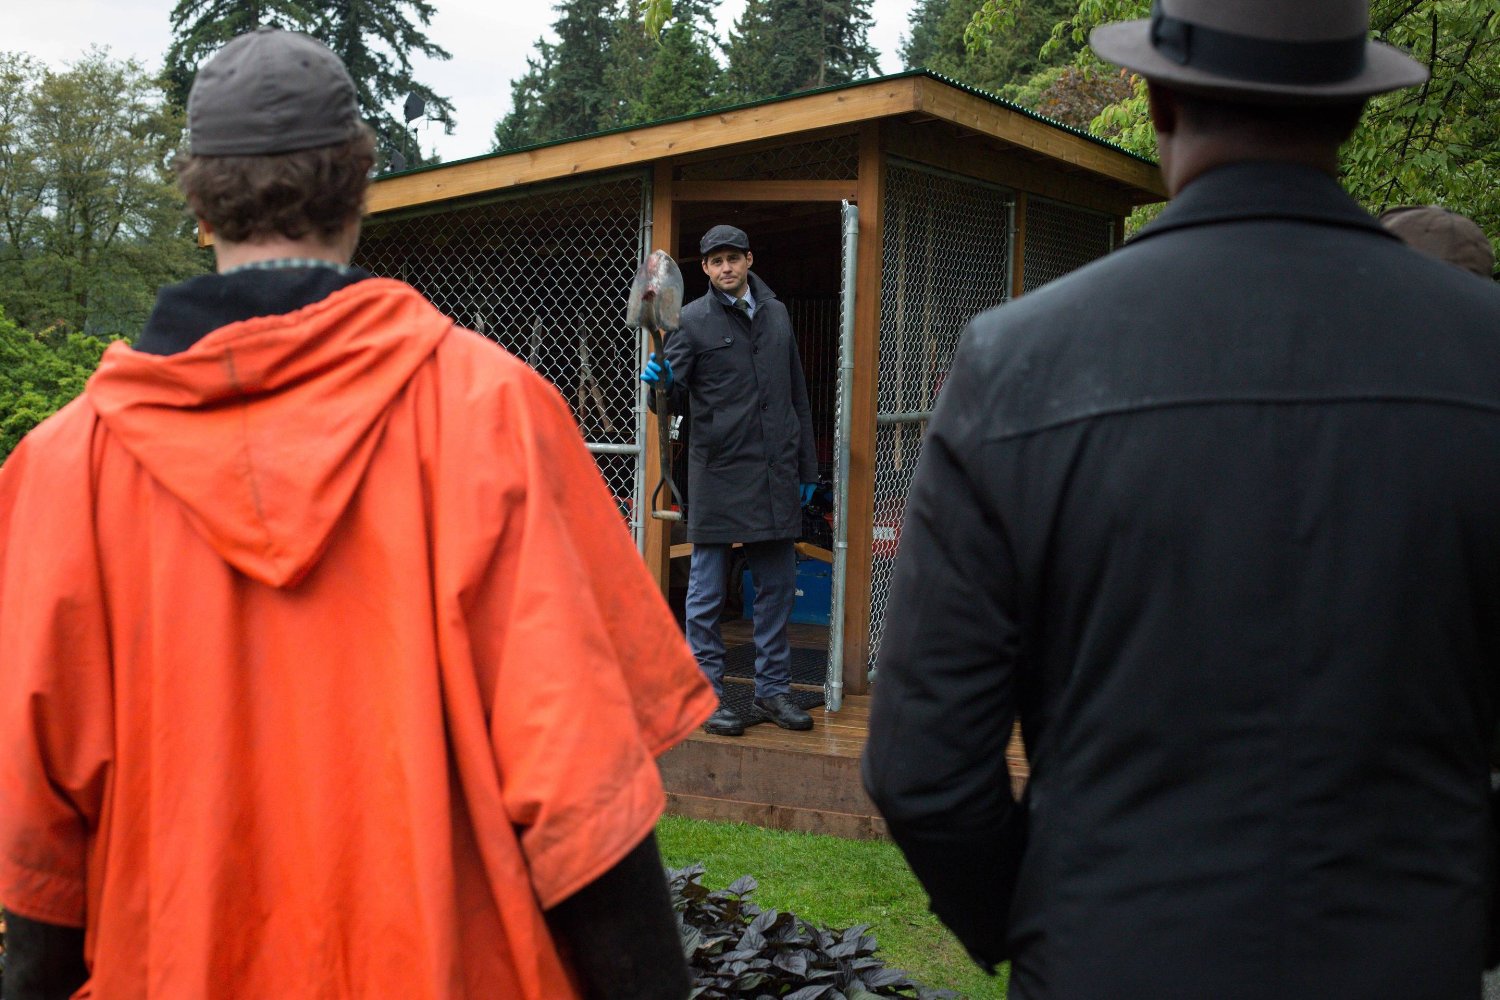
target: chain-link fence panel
<point>816,322</point>
<point>1062,238</point>
<point>946,256</point>
<point>829,159</point>
<point>545,273</point>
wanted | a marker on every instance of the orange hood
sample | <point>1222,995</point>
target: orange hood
<point>263,430</point>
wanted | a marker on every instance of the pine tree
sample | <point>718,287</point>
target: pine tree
<point>675,74</point>
<point>374,38</point>
<point>1011,55</point>
<point>564,93</point>
<point>200,27</point>
<point>783,46</point>
<point>522,126</point>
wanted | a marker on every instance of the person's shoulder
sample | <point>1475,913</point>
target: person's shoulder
<point>481,360</point>
<point>698,309</point>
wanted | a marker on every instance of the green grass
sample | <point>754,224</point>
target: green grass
<point>835,882</point>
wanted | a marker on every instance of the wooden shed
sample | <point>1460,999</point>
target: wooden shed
<point>883,213</point>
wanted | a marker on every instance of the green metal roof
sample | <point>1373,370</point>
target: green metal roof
<point>907,74</point>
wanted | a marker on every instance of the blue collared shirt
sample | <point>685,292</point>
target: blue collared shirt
<point>749,298</point>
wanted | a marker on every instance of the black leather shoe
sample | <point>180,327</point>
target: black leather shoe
<point>779,709</point>
<point>725,723</point>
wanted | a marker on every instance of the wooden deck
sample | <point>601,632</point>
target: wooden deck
<point>771,777</point>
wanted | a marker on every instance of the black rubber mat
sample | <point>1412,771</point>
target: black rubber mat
<point>808,665</point>
<point>739,697</point>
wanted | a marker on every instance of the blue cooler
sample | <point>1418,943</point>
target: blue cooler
<point>814,593</point>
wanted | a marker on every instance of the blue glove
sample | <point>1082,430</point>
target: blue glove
<point>657,371</point>
<point>807,493</point>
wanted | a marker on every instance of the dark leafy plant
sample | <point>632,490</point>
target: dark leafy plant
<point>736,949</point>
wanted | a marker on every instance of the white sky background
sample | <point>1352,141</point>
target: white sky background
<point>489,39</point>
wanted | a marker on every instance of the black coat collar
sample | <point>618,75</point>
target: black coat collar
<point>1248,192</point>
<point>188,311</point>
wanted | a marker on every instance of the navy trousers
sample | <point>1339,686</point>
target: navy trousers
<point>773,569</point>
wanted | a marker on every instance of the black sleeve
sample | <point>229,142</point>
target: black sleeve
<point>945,692</point>
<point>620,934</point>
<point>42,961</point>
<point>1492,939</point>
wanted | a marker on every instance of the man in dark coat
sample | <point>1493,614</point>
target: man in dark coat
<point>1218,519</point>
<point>734,368</point>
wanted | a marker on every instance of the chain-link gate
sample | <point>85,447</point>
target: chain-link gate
<point>1062,238</point>
<point>544,272</point>
<point>946,249</point>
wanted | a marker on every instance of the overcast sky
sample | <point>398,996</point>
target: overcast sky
<point>489,39</point>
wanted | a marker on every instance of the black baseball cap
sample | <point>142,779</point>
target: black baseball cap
<point>271,91</point>
<point>724,236</point>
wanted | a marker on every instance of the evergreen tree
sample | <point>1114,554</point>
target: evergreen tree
<point>200,27</point>
<point>675,74</point>
<point>522,125</point>
<point>782,46</point>
<point>374,38</point>
<point>1011,53</point>
<point>565,90</point>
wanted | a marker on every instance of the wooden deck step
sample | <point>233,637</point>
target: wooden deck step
<point>785,780</point>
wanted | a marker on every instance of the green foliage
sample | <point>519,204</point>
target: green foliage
<point>837,883</point>
<point>200,27</point>
<point>1002,58</point>
<point>374,38</point>
<point>676,74</point>
<point>782,46</point>
<point>39,374</point>
<point>90,220</point>
<point>606,70</point>
<point>1434,144</point>
<point>565,91</point>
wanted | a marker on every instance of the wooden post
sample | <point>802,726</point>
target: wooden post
<point>658,547</point>
<point>1018,251</point>
<point>864,403</point>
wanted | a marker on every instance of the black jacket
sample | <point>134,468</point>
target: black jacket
<point>1219,517</point>
<point>751,439</point>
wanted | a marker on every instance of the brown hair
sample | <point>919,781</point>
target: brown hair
<point>317,190</point>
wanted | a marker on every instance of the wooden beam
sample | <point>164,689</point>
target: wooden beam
<point>639,146</point>
<point>1018,249</point>
<point>766,190</point>
<point>658,542</point>
<point>988,118</point>
<point>859,516</point>
<point>986,159</point>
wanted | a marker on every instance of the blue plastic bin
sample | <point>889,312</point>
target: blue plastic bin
<point>814,593</point>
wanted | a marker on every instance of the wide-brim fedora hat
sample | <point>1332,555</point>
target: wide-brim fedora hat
<point>1263,51</point>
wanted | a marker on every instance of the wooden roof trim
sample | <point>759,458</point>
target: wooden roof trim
<point>792,117</point>
<point>636,147</point>
<point>988,118</point>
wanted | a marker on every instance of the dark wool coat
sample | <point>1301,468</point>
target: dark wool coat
<point>1219,517</point>
<point>750,440</point>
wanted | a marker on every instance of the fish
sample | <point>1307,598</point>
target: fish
<point>656,294</point>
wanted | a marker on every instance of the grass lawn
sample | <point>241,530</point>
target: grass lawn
<point>834,882</point>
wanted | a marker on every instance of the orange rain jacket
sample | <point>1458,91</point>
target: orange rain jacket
<point>326,664</point>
